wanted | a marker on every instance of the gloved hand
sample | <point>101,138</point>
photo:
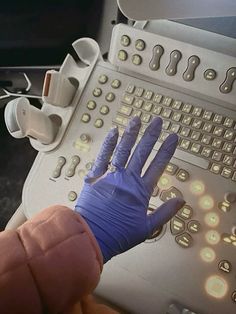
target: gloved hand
<point>114,203</point>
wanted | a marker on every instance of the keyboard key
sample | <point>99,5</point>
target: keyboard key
<point>191,159</point>
<point>126,110</point>
<point>182,175</point>
<point>163,136</point>
<point>172,192</point>
<point>137,113</point>
<point>184,144</point>
<point>229,135</point>
<point>207,127</point>
<point>121,120</point>
<point>217,143</point>
<point>165,125</point>
<point>197,123</point>
<point>138,103</point>
<point>139,91</point>
<point>146,117</point>
<point>186,120</point>
<point>195,148</point>
<point>167,101</point>
<point>186,212</point>
<point>130,88</point>
<point>171,169</point>
<point>218,130</point>
<point>147,106</point>
<point>215,168</point>
<point>177,104</point>
<point>184,240</point>
<point>176,116</point>
<point>227,147</point>
<point>207,115</point>
<point>218,118</point>
<point>226,172</point>
<point>195,135</point>
<point>217,156</point>
<point>197,111</point>
<point>128,99</point>
<point>228,160</point>
<point>175,128</point>
<point>206,139</point>
<point>157,109</point>
<point>187,108</point>
<point>148,95</point>
<point>206,152</point>
<point>166,113</point>
<point>185,131</point>
<point>157,98</point>
<point>228,122</point>
<point>177,226</point>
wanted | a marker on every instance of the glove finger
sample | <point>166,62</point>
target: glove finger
<point>122,152</point>
<point>145,146</point>
<point>160,161</point>
<point>102,161</point>
<point>163,214</point>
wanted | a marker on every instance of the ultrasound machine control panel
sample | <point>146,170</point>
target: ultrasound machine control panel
<point>189,266</point>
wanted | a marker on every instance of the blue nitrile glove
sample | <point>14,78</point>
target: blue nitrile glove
<point>114,203</point>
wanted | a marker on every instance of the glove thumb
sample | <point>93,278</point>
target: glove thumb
<point>163,214</point>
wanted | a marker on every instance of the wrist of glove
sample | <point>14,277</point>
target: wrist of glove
<point>115,203</point>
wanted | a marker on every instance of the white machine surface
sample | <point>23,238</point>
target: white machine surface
<point>190,266</point>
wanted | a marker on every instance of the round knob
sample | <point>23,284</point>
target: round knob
<point>85,138</point>
<point>230,197</point>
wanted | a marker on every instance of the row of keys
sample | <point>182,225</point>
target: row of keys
<point>98,123</point>
<point>175,57</point>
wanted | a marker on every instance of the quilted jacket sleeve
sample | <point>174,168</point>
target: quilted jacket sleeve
<point>48,264</point>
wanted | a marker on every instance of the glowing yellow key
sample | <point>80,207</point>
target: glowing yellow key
<point>206,202</point>
<point>207,254</point>
<point>216,286</point>
<point>197,187</point>
<point>212,237</point>
<point>212,219</point>
<point>164,182</point>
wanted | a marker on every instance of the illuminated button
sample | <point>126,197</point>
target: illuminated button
<point>140,44</point>
<point>116,83</point>
<point>97,92</point>
<point>225,266</point>
<point>233,296</point>
<point>212,237</point>
<point>104,110</point>
<point>185,212</point>
<point>216,287</point>
<point>207,254</point>
<point>60,163</point>
<point>184,240</point>
<point>164,182</point>
<point>212,219</point>
<point>122,55</point>
<point>206,202</point>
<point>197,187</point>
<point>136,59</point>
<point>110,96</point>
<point>102,79</point>
<point>125,40</point>
<point>177,226</point>
<point>182,175</point>
<point>224,206</point>
<point>171,169</point>
<point>98,123</point>
<point>194,226</point>
<point>91,105</point>
<point>210,74</point>
<point>85,118</point>
<point>72,196</point>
